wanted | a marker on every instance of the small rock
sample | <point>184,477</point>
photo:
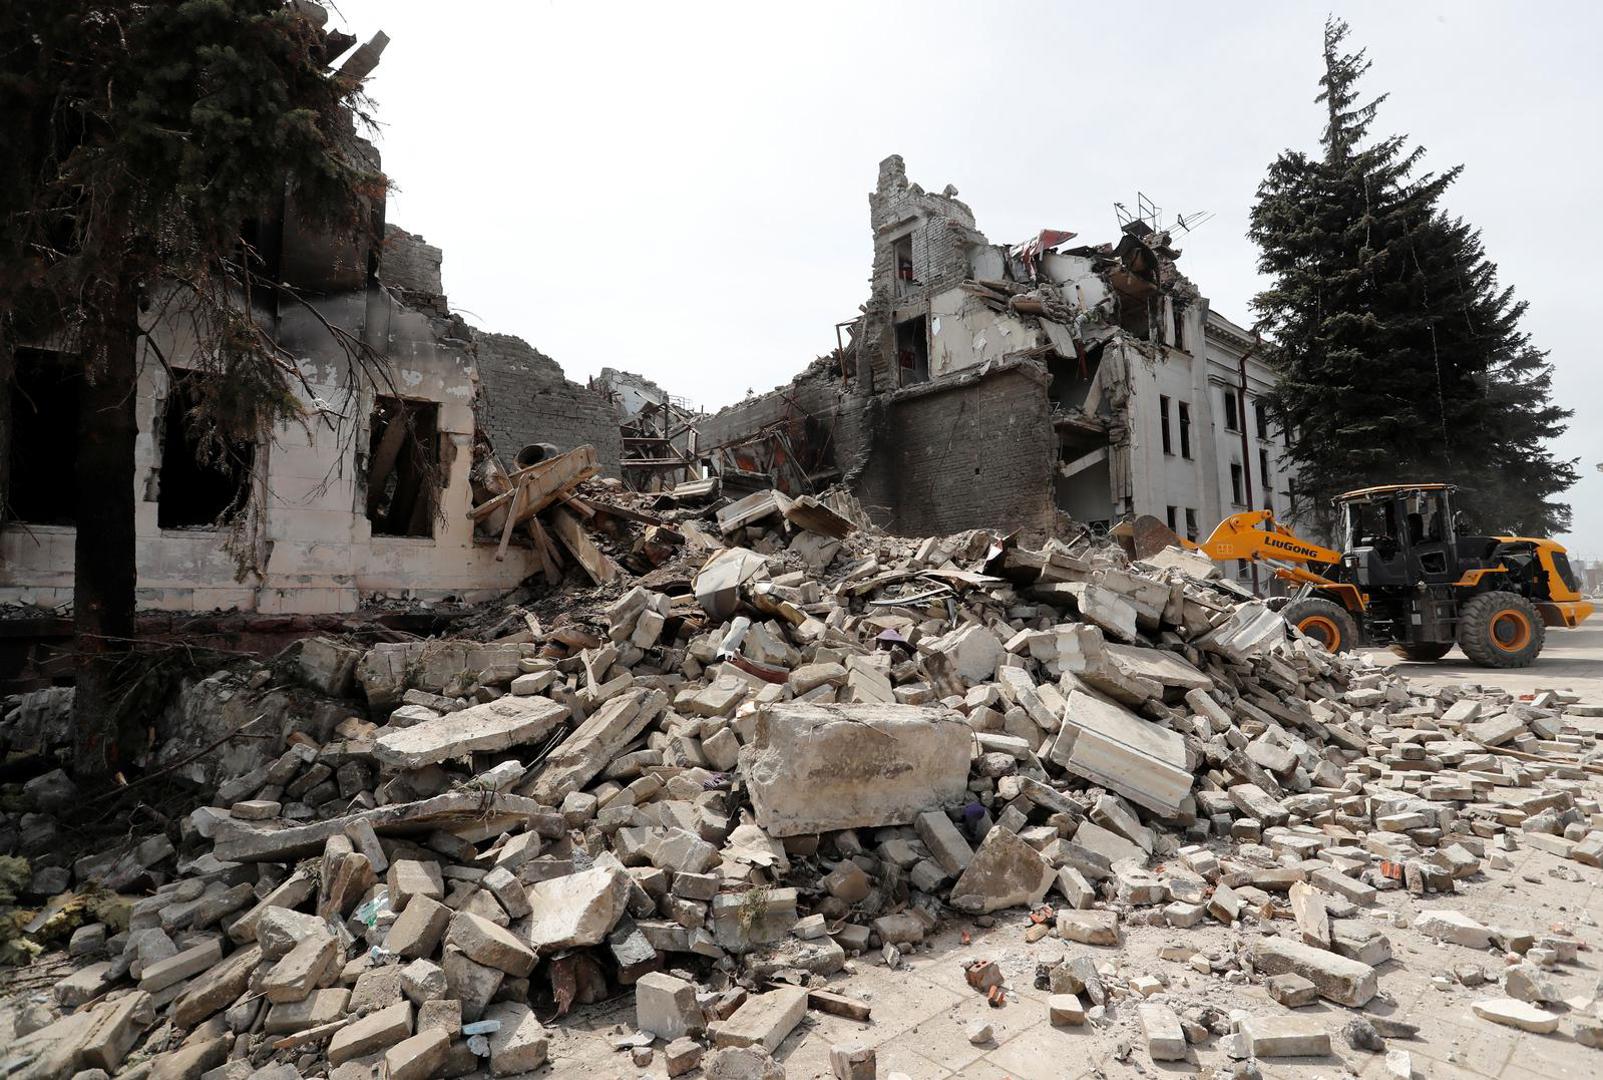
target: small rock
<point>1361,1035</point>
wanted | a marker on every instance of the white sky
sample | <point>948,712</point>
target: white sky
<point>680,189</point>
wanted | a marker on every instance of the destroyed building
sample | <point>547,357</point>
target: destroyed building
<point>997,384</point>
<point>368,498</point>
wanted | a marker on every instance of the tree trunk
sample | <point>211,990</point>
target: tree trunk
<point>7,367</point>
<point>104,573</point>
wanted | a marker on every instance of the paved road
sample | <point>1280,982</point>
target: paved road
<point>1571,660</point>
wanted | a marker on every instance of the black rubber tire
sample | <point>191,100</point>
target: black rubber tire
<point>1422,652</point>
<point>1501,630</point>
<point>1325,621</point>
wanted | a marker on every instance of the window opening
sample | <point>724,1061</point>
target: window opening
<point>1235,484</point>
<point>205,479</point>
<point>45,395</point>
<point>913,351</point>
<point>1232,418</point>
<point>403,467</point>
<point>1168,448</point>
<point>1185,430</point>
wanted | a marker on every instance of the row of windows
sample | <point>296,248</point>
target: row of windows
<point>1232,420</point>
<point>204,482</point>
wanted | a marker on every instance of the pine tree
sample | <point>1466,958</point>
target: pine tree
<point>140,139</point>
<point>1400,354</point>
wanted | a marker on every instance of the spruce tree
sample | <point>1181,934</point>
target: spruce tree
<point>140,140</point>
<point>1400,354</point>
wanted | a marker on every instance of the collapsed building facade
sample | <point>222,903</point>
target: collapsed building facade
<point>367,498</point>
<point>998,384</point>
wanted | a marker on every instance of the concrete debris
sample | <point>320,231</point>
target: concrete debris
<point>721,789</point>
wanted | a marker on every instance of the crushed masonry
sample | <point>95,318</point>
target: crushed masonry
<point>726,785</point>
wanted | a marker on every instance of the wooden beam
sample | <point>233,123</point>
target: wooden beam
<point>550,563</point>
<point>518,499</point>
<point>1083,462</point>
<point>543,479</point>
<point>602,570</point>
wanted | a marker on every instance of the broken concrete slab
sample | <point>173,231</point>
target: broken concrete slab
<point>1112,746</point>
<point>1517,1014</point>
<point>1339,979</point>
<point>821,768</point>
<point>1004,872</point>
<point>1286,1036</point>
<point>576,909</point>
<point>764,1020</point>
<point>264,844</point>
<point>581,756</point>
<point>494,725</point>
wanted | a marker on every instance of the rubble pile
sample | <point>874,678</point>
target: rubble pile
<point>824,743</point>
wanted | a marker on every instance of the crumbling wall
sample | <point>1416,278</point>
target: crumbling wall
<point>631,392</point>
<point>525,397</point>
<point>958,454</point>
<point>935,233</point>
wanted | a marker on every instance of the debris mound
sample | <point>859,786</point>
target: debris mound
<point>812,744</point>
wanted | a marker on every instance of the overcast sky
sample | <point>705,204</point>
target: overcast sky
<point>680,189</point>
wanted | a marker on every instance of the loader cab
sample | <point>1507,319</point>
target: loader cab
<point>1398,536</point>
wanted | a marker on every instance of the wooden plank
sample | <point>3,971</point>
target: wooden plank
<point>518,500</point>
<point>628,514</point>
<point>546,490</point>
<point>544,476</point>
<point>547,551</point>
<point>383,463</point>
<point>601,569</point>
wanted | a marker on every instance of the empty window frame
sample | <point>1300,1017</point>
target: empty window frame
<point>913,351</point>
<point>1267,479</point>
<point>1179,324</point>
<point>1232,416</point>
<point>403,467</point>
<point>205,477</point>
<point>1237,479</point>
<point>45,396</point>
<point>1163,404</point>
<point>1185,430</point>
<point>1191,525</point>
<point>1262,411</point>
<point>902,253</point>
<point>1169,515</point>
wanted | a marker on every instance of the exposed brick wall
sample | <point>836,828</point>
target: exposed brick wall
<point>524,397</point>
<point>965,454</point>
<point>942,234</point>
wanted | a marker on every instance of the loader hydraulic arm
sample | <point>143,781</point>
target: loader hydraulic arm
<point>1239,536</point>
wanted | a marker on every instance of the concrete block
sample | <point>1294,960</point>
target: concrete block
<point>822,768</point>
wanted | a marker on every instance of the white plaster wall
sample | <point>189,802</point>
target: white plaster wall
<point>965,333</point>
<point>304,545</point>
<point>1075,278</point>
<point>1159,479</point>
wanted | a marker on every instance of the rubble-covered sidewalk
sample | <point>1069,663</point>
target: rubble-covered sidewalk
<point>736,798</point>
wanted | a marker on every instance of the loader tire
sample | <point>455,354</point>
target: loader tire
<point>1421,652</point>
<point>1327,623</point>
<point>1500,630</point>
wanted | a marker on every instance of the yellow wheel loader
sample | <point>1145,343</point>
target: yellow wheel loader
<point>1406,580</point>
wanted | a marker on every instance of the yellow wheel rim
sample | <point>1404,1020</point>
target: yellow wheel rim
<point>1323,629</point>
<point>1510,630</point>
